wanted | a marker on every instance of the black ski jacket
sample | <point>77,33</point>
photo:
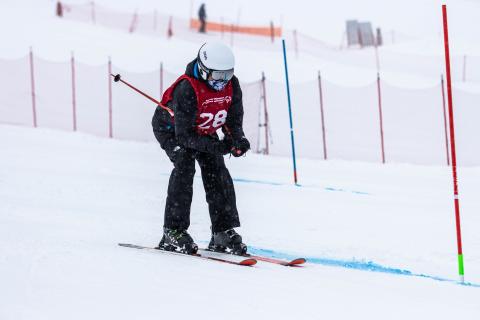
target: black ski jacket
<point>182,132</point>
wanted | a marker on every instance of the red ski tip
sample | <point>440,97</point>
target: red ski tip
<point>248,262</point>
<point>297,262</point>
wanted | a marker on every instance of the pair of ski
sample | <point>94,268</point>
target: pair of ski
<point>244,260</point>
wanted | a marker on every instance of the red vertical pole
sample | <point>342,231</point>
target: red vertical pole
<point>110,111</point>
<point>133,24</point>
<point>445,120</point>
<point>32,84</point>
<point>452,146</point>
<point>74,102</point>
<point>272,32</point>
<point>377,59</point>
<point>380,116</point>
<point>265,112</point>
<point>161,80</point>
<point>322,116</point>
<point>170,30</point>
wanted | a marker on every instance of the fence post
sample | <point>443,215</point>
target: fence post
<point>265,111</point>
<point>32,84</point>
<point>110,111</point>
<point>133,24</point>
<point>445,120</point>
<point>380,116</point>
<point>322,116</point>
<point>272,32</point>
<point>74,102</point>
<point>295,42</point>
<point>170,30</point>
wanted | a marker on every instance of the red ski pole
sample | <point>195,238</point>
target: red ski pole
<point>118,78</point>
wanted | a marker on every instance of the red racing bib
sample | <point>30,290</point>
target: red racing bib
<point>212,105</point>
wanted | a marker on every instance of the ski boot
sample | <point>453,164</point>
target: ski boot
<point>227,241</point>
<point>177,240</point>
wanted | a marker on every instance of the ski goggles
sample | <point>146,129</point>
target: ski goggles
<point>217,75</point>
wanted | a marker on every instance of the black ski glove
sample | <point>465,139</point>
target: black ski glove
<point>220,147</point>
<point>240,147</point>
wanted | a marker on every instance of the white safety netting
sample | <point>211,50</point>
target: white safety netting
<point>68,94</point>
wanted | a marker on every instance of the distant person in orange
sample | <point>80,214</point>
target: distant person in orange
<point>202,16</point>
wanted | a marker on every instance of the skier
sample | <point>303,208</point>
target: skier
<point>206,98</point>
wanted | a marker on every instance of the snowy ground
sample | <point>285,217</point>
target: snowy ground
<point>380,238</point>
<point>66,199</point>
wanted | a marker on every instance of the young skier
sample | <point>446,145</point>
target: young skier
<point>206,98</point>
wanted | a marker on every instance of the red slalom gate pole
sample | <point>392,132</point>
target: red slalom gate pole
<point>110,120</point>
<point>461,272</point>
<point>32,84</point>
<point>74,102</point>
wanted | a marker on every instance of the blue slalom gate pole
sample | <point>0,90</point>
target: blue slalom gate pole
<point>290,113</point>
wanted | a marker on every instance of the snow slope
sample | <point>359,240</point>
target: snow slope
<point>66,200</point>
<point>380,239</point>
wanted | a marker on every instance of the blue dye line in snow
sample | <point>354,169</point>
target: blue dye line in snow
<point>272,183</point>
<point>355,264</point>
<point>297,185</point>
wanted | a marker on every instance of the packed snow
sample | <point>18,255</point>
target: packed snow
<point>67,199</point>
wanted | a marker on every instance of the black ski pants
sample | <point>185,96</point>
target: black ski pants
<point>218,186</point>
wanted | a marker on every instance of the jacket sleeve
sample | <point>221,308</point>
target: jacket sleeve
<point>185,109</point>
<point>234,121</point>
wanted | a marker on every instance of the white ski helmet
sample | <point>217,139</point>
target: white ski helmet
<point>215,61</point>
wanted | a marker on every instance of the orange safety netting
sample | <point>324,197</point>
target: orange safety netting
<point>223,27</point>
